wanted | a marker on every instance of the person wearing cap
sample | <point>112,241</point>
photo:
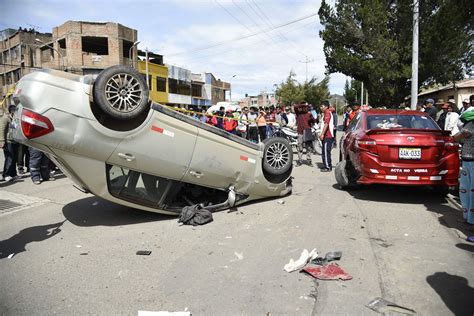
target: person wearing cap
<point>430,109</point>
<point>466,104</point>
<point>355,110</point>
<point>9,146</point>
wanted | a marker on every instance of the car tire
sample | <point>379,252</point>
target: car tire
<point>121,93</point>
<point>342,177</point>
<point>277,156</point>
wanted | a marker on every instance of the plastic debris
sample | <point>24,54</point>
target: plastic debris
<point>143,252</point>
<point>381,306</point>
<point>305,257</point>
<point>228,237</point>
<point>95,203</point>
<point>78,246</point>
<point>239,256</point>
<point>329,272</point>
<point>470,238</point>
<point>10,255</point>
<point>281,202</point>
<point>330,256</point>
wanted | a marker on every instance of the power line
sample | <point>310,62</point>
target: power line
<point>244,37</point>
<point>279,32</point>
<point>254,45</point>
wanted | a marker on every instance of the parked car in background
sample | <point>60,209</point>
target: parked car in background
<point>397,147</point>
<point>105,135</point>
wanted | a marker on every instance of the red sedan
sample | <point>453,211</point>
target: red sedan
<point>397,147</point>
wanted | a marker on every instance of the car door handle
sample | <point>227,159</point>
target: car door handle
<point>126,156</point>
<point>196,174</point>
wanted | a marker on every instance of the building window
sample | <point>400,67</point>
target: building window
<point>16,75</point>
<point>184,88</point>
<point>197,90</point>
<point>126,48</point>
<point>62,43</point>
<point>95,45</point>
<point>161,84</point>
<point>173,86</point>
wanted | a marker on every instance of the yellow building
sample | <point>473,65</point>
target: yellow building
<point>157,79</point>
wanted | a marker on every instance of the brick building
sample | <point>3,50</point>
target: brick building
<point>88,47</point>
<point>17,55</point>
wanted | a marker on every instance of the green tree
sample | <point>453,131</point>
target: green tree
<point>315,92</point>
<point>371,40</point>
<point>291,91</point>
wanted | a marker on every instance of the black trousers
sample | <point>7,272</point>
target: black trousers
<point>253,134</point>
<point>262,131</point>
<point>327,146</point>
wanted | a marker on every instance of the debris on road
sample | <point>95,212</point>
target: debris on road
<point>195,215</point>
<point>381,306</point>
<point>330,256</point>
<point>470,238</point>
<point>10,255</point>
<point>239,256</point>
<point>281,202</point>
<point>143,252</point>
<point>78,246</point>
<point>305,257</point>
<point>327,272</point>
<point>95,203</point>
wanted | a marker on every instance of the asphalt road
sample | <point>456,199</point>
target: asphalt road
<point>74,254</point>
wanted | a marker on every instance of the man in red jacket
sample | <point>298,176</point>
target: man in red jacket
<point>304,121</point>
<point>229,122</point>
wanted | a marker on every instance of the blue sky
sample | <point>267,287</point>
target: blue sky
<point>180,29</point>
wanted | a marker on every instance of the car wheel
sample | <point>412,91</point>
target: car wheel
<point>121,93</point>
<point>277,156</point>
<point>343,177</point>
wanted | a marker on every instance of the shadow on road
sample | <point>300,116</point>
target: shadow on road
<point>454,291</point>
<point>17,243</point>
<point>466,247</point>
<point>93,211</point>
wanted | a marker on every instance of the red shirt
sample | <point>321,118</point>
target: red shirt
<point>304,121</point>
<point>327,120</point>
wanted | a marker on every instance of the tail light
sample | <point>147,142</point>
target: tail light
<point>367,144</point>
<point>450,147</point>
<point>35,125</point>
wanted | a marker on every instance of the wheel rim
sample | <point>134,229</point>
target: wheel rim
<point>277,156</point>
<point>123,92</point>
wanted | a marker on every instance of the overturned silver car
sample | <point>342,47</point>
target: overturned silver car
<point>106,136</point>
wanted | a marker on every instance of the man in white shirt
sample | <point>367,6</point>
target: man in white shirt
<point>290,113</point>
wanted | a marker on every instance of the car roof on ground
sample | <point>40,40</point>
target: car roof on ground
<point>394,111</point>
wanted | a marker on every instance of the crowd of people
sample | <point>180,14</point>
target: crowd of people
<point>20,159</point>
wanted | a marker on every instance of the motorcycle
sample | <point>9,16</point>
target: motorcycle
<point>291,135</point>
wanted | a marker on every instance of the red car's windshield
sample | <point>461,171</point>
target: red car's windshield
<point>390,121</point>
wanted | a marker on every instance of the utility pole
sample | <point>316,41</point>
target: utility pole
<point>146,68</point>
<point>361,93</point>
<point>307,61</point>
<point>414,62</point>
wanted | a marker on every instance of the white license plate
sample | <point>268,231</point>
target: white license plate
<point>409,153</point>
